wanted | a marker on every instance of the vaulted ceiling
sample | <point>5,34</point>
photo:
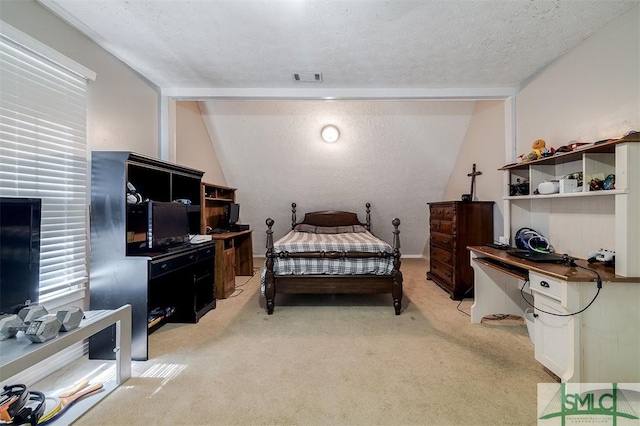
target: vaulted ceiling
<point>351,43</point>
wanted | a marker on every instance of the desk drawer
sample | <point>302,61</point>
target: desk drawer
<point>168,264</point>
<point>205,253</point>
<point>442,212</point>
<point>548,286</point>
<point>444,226</point>
<point>443,240</point>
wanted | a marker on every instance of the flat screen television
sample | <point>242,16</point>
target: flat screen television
<point>157,225</point>
<point>233,214</point>
<point>20,222</point>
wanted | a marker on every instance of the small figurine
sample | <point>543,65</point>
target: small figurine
<point>538,150</point>
<point>538,147</point>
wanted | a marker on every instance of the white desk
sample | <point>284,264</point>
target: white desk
<point>18,354</point>
<point>599,345</point>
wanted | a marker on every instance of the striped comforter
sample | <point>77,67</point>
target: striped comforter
<point>306,242</point>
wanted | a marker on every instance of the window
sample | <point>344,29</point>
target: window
<point>43,152</point>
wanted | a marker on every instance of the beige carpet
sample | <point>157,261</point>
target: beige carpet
<point>332,360</point>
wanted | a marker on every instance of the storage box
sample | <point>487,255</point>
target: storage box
<point>568,185</point>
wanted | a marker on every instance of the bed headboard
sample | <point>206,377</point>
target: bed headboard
<point>331,218</point>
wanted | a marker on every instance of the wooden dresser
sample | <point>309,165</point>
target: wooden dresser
<point>453,226</point>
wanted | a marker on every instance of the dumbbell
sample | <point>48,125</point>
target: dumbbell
<point>12,323</point>
<point>43,328</point>
<point>38,325</point>
<point>70,318</point>
<point>47,327</point>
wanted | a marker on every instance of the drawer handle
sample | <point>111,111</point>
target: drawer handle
<point>164,266</point>
<point>544,284</point>
<point>446,241</point>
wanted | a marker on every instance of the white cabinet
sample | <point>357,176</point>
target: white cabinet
<point>600,344</point>
<point>555,332</point>
<point>553,337</point>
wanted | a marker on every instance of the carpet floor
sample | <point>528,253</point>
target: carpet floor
<point>331,360</point>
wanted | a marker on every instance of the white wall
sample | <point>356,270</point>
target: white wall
<point>193,144</point>
<point>397,155</point>
<point>123,107</point>
<point>483,145</point>
<point>122,115</point>
<point>589,94</point>
<point>592,93</point>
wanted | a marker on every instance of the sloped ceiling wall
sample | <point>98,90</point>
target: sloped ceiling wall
<point>397,155</point>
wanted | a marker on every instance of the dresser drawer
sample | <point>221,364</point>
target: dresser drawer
<point>444,272</point>
<point>444,226</point>
<point>442,240</point>
<point>441,255</point>
<point>442,212</point>
<point>548,286</point>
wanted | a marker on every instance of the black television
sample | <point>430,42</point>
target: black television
<point>233,214</point>
<point>20,222</point>
<point>157,225</point>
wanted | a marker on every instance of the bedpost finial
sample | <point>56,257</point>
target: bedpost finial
<point>396,238</point>
<point>269,223</point>
<point>368,217</point>
<point>293,215</point>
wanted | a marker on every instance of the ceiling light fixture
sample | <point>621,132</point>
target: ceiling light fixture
<point>330,133</point>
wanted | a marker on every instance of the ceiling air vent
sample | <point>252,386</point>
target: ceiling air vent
<point>307,77</point>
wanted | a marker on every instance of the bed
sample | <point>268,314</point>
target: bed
<point>331,252</point>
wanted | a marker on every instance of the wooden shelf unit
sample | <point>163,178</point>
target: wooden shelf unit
<point>234,250</point>
<point>214,200</point>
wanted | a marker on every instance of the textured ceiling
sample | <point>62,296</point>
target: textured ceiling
<point>353,43</point>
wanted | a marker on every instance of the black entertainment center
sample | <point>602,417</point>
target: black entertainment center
<point>140,249</point>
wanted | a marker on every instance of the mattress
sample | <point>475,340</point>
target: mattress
<point>295,242</point>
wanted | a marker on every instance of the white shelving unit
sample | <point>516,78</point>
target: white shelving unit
<point>588,214</point>
<point>18,354</point>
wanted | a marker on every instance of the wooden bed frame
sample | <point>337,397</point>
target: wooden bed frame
<point>333,284</point>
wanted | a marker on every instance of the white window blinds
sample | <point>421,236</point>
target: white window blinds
<point>43,154</point>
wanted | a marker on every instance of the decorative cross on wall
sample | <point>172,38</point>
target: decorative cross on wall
<point>472,175</point>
